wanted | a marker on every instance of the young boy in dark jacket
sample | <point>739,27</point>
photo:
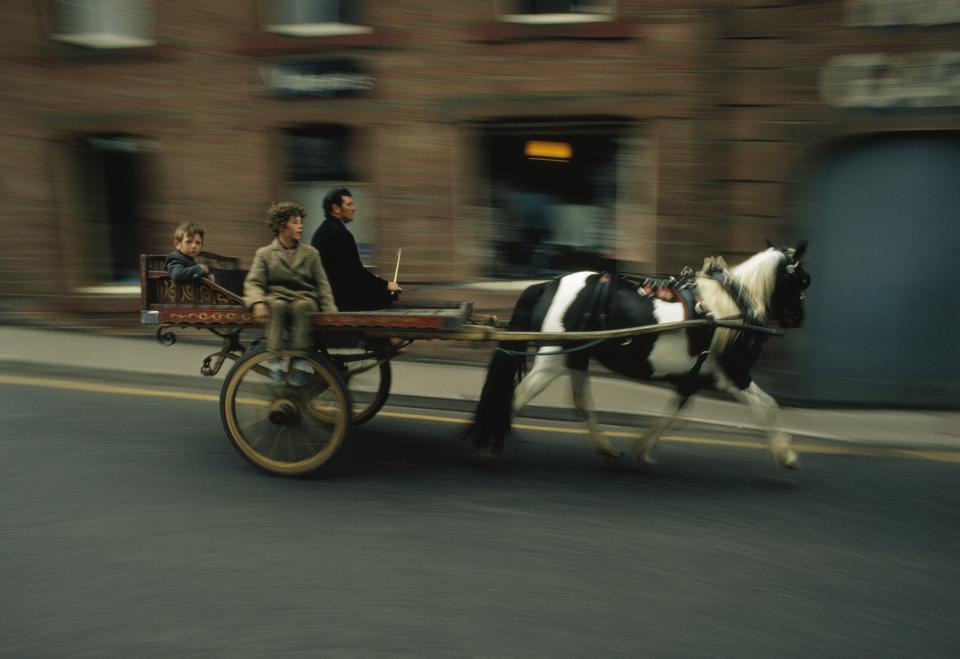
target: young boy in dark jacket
<point>182,263</point>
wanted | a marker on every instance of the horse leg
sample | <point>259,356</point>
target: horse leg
<point>643,447</point>
<point>546,369</point>
<point>583,401</point>
<point>767,411</point>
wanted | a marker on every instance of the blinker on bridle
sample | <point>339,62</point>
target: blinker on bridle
<point>792,266</point>
<point>800,279</point>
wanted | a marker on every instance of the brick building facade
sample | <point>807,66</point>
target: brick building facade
<point>693,127</point>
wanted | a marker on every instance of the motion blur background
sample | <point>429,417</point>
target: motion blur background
<point>505,140</point>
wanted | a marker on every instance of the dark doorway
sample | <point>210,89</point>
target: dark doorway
<point>113,187</point>
<point>553,192</point>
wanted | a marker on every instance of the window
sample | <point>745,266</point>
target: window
<point>101,23</point>
<point>112,182</point>
<point>555,11</point>
<point>317,153</point>
<point>319,158</point>
<point>311,18</point>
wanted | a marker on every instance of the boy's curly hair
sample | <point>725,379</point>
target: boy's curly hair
<point>188,229</point>
<point>280,212</point>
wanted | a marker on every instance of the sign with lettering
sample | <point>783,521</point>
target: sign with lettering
<point>888,13</point>
<point>315,78</point>
<point>882,80</point>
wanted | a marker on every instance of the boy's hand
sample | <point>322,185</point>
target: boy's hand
<point>261,313</point>
<point>206,269</point>
<point>394,287</point>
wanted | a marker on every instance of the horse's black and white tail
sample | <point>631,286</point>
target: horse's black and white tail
<point>491,420</point>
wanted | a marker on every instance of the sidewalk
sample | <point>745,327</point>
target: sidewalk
<point>458,387</point>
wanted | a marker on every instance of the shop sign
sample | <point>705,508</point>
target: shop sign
<point>889,13</point>
<point>315,78</point>
<point>881,80</point>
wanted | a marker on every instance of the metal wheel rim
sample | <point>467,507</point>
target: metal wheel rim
<point>313,433</point>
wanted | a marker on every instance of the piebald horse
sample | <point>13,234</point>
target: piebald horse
<point>768,285</point>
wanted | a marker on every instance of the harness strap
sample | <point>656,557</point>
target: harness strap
<point>597,306</point>
<point>688,385</point>
<point>753,344</point>
<point>733,287</point>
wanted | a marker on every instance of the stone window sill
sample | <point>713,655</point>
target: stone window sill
<point>507,31</point>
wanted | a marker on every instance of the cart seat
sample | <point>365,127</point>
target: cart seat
<point>206,303</point>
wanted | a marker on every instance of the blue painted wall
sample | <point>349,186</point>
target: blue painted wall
<point>883,321</point>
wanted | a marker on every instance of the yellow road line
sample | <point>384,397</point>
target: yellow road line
<point>422,417</point>
<point>922,454</point>
<point>76,385</point>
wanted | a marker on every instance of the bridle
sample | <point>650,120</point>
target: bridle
<point>787,303</point>
<point>795,274</point>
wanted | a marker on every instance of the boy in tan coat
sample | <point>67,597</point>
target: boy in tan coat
<point>286,281</point>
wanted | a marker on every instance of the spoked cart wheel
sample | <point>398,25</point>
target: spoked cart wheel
<point>366,369</point>
<point>284,415</point>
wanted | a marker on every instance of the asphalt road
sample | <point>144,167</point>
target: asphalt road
<point>130,527</point>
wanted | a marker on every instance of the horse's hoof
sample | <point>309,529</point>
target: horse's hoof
<point>484,457</point>
<point>609,455</point>
<point>788,460</point>
<point>642,461</point>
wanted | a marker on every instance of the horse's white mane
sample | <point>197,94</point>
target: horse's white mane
<point>757,276</point>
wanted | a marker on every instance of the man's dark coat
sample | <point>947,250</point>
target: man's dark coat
<point>354,287</point>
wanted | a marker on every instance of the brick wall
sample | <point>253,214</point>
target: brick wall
<point>725,92</point>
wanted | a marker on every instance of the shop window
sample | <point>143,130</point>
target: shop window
<point>319,158</point>
<point>112,183</point>
<point>101,23</point>
<point>311,18</point>
<point>556,11</point>
<point>553,195</point>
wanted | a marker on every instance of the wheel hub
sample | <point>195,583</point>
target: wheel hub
<point>283,412</point>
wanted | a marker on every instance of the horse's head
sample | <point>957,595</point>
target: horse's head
<point>786,303</point>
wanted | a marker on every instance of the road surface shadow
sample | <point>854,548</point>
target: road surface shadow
<point>378,452</point>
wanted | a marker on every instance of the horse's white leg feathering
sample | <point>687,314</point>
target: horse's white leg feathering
<point>767,411</point>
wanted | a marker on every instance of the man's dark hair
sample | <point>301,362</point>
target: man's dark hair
<point>334,197</point>
<point>280,213</point>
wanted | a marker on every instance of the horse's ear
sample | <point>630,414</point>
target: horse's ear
<point>801,248</point>
<point>769,244</point>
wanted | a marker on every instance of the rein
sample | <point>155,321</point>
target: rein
<point>565,351</point>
